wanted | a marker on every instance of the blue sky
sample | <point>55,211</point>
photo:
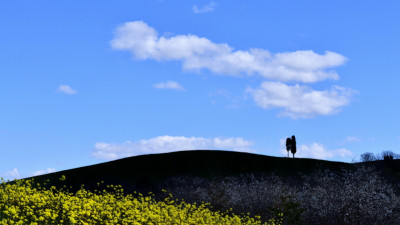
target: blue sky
<point>84,82</point>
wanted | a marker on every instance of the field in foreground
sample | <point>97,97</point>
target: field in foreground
<point>306,191</point>
<point>20,203</point>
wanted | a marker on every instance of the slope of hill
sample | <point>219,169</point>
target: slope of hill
<point>143,173</point>
<point>307,191</point>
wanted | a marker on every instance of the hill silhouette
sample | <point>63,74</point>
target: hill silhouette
<point>308,191</point>
<point>142,173</point>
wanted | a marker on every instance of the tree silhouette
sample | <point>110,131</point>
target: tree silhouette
<point>293,149</point>
<point>367,157</point>
<point>288,146</point>
<point>388,155</point>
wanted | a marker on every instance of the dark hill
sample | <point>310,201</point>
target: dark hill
<point>143,173</point>
<point>351,193</point>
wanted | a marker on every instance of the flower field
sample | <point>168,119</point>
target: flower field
<point>25,203</point>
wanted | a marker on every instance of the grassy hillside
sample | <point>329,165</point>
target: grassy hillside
<point>306,191</point>
<point>143,173</point>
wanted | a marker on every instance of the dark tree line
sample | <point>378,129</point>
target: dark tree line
<point>291,145</point>
<point>385,155</point>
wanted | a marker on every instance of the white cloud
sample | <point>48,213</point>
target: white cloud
<point>198,53</point>
<point>352,139</point>
<point>300,101</point>
<point>66,90</point>
<point>13,174</point>
<point>315,151</point>
<point>162,144</point>
<point>223,96</point>
<point>206,8</point>
<point>169,85</point>
<point>41,172</point>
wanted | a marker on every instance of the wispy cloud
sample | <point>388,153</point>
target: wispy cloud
<point>66,90</point>
<point>169,85</point>
<point>200,53</point>
<point>300,101</point>
<point>12,174</point>
<point>205,8</point>
<point>164,144</point>
<point>352,139</point>
<point>226,97</point>
<point>41,172</point>
<point>316,151</point>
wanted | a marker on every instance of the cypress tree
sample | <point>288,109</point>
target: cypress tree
<point>288,146</point>
<point>293,149</point>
